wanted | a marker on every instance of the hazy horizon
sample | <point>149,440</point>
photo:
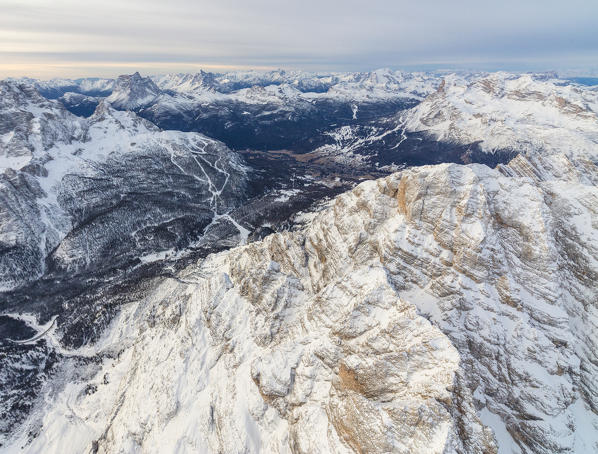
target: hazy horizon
<point>68,39</point>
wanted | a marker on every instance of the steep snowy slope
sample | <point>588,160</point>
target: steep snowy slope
<point>441,309</point>
<point>132,92</point>
<point>502,111</point>
<point>69,188</point>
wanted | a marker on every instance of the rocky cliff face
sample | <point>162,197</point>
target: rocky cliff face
<point>441,309</point>
<point>132,92</point>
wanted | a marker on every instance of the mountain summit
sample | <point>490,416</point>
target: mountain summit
<point>133,91</point>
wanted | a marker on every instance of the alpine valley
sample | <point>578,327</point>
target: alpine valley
<point>291,262</point>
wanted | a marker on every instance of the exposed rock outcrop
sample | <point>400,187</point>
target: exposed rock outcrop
<point>441,309</point>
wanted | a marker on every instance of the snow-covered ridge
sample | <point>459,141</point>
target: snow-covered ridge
<point>134,91</point>
<point>30,124</point>
<point>361,86</point>
<point>131,92</point>
<point>54,88</point>
<point>49,157</point>
<point>442,309</point>
<point>239,85</point>
<point>506,111</point>
<point>289,90</point>
<point>377,84</point>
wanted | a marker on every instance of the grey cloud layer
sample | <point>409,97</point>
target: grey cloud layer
<point>324,34</point>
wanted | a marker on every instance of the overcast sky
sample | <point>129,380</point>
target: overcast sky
<point>74,38</point>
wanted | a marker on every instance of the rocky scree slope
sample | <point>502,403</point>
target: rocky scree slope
<point>441,309</point>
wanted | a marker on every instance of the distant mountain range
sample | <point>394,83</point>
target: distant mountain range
<point>294,262</point>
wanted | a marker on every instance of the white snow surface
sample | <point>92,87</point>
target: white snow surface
<point>260,87</point>
<point>438,301</point>
<point>61,144</point>
<point>513,112</point>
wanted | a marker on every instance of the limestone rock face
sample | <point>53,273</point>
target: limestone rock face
<point>30,124</point>
<point>133,91</point>
<point>445,309</point>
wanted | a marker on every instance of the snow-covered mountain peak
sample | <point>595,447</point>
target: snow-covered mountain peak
<point>31,124</point>
<point>523,113</point>
<point>185,83</point>
<point>120,119</point>
<point>133,91</point>
<point>437,310</point>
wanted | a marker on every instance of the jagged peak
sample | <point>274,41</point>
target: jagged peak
<point>132,91</point>
<point>20,90</point>
<point>105,112</point>
<point>103,108</point>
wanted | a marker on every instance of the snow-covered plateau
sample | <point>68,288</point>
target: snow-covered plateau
<point>447,308</point>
